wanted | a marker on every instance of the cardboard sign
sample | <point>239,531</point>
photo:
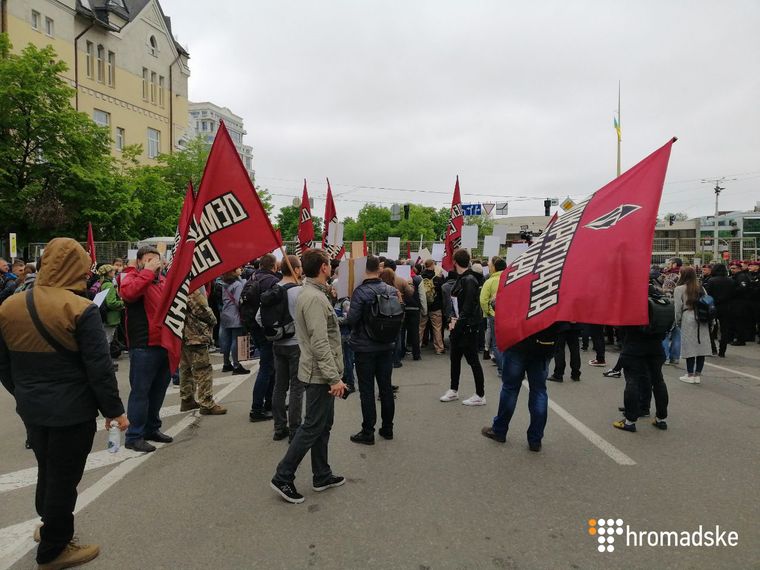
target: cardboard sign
<point>491,246</point>
<point>131,254</point>
<point>425,254</point>
<point>404,271</point>
<point>501,231</point>
<point>357,248</point>
<point>335,233</point>
<point>515,251</point>
<point>243,348</point>
<point>394,247</point>
<point>343,282</point>
<point>161,247</point>
<point>438,251</point>
<point>470,236</point>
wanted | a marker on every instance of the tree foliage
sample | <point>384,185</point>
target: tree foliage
<point>287,223</point>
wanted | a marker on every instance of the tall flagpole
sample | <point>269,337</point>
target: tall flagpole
<point>620,126</point>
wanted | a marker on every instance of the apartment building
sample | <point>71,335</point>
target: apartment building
<point>204,122</point>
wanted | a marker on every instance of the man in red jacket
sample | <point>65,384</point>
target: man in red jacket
<point>148,361</point>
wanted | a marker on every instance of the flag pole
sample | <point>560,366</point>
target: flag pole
<point>619,129</point>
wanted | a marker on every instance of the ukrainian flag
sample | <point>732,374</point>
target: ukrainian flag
<point>617,128</point>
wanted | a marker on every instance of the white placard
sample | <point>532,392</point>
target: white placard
<point>470,236</point>
<point>360,270</point>
<point>335,233</point>
<point>100,297</point>
<point>341,286</point>
<point>404,271</point>
<point>277,254</point>
<point>439,249</point>
<point>425,254</point>
<point>131,254</point>
<point>501,231</point>
<point>491,246</point>
<point>394,247</point>
<point>515,251</point>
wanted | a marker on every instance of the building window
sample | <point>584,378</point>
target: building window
<point>154,143</point>
<point>161,90</point>
<point>49,27</point>
<point>90,58</point>
<point>153,46</point>
<point>145,84</point>
<point>101,118</point>
<point>153,86</point>
<point>101,63</point>
<point>119,138</point>
<point>36,18</point>
<point>204,126</point>
<point>111,69</point>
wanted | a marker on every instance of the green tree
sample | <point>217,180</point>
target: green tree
<point>53,159</point>
<point>287,223</point>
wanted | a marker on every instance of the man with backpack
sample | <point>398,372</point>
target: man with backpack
<point>250,300</point>
<point>375,317</point>
<point>643,356</point>
<point>431,288</point>
<point>278,305</point>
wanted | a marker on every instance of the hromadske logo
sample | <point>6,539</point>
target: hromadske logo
<point>613,533</point>
<point>605,530</point>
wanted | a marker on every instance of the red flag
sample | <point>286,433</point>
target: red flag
<point>184,220</point>
<point>408,250</point>
<point>590,265</point>
<point>91,247</point>
<point>305,224</point>
<point>454,231</point>
<point>365,244</point>
<point>232,225</point>
<point>331,215</point>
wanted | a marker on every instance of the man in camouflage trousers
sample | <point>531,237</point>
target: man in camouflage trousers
<point>195,369</point>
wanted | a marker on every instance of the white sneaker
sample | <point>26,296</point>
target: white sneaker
<point>697,379</point>
<point>689,379</point>
<point>475,400</point>
<point>450,396</point>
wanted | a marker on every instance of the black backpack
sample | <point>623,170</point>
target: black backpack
<point>384,317</point>
<point>705,310</point>
<point>276,319</point>
<point>250,301</point>
<point>662,315</point>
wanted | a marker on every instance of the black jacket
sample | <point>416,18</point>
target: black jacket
<point>64,376</point>
<point>467,293</point>
<point>722,289</point>
<point>361,302</point>
<point>636,342</point>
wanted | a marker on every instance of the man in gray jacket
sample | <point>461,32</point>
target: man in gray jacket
<point>320,368</point>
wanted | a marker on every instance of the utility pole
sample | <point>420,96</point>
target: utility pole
<point>718,189</point>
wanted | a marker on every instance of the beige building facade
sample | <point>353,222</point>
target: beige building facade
<point>129,72</point>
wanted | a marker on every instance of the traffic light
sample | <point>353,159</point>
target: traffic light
<point>671,219</point>
<point>406,211</point>
<point>547,205</point>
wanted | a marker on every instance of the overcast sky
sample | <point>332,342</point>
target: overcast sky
<point>517,98</point>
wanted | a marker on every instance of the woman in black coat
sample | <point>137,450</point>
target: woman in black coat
<point>723,290</point>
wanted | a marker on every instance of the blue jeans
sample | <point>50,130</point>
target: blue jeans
<point>148,381</point>
<point>348,362</point>
<point>496,354</point>
<point>228,343</point>
<point>516,364</point>
<point>262,388</point>
<point>672,344</point>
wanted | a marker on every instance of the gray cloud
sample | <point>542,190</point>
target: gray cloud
<point>517,98</point>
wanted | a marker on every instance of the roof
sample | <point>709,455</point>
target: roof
<point>99,11</point>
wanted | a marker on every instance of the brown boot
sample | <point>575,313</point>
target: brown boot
<point>72,555</point>
<point>215,410</point>
<point>188,405</point>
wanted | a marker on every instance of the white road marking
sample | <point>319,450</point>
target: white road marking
<point>16,540</point>
<point>612,452</point>
<point>732,371</point>
<point>172,389</point>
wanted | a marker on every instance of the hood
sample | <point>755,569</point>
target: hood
<point>65,265</point>
<point>494,275</point>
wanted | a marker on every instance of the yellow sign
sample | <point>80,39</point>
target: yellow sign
<point>567,204</point>
<point>14,253</point>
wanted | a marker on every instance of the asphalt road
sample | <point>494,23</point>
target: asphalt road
<point>438,496</point>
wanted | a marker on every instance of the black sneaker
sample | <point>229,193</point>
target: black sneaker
<point>385,433</point>
<point>611,373</point>
<point>394,387</point>
<point>140,445</point>
<point>490,434</point>
<point>260,416</point>
<point>575,378</point>
<point>227,368</point>
<point>534,446</point>
<point>287,491</point>
<point>159,437</point>
<point>486,355</point>
<point>660,424</point>
<point>554,378</point>
<point>364,438</point>
<point>240,370</point>
<point>279,435</point>
<point>333,481</point>
<point>397,365</point>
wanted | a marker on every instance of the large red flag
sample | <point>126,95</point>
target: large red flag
<point>331,215</point>
<point>233,226</point>
<point>228,227</point>
<point>184,220</point>
<point>305,224</point>
<point>454,231</point>
<point>91,247</point>
<point>590,265</point>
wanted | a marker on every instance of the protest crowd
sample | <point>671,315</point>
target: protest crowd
<point>322,327</point>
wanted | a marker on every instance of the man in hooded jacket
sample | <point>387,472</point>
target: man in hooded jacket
<point>55,361</point>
